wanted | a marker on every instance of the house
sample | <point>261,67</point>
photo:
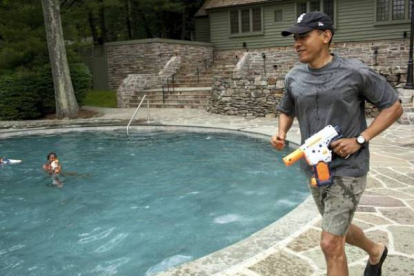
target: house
<point>246,33</point>
<point>252,24</point>
<point>243,58</point>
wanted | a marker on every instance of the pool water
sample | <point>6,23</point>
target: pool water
<point>139,205</point>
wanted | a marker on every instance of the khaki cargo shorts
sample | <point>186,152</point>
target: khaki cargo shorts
<point>338,202</point>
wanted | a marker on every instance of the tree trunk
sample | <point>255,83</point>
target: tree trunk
<point>102,21</point>
<point>163,27</point>
<point>128,18</point>
<point>92,26</point>
<point>66,104</point>
<point>183,29</point>
<point>147,28</point>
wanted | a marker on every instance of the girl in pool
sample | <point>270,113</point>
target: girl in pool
<point>53,168</point>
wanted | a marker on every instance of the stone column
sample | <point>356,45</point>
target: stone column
<point>406,96</point>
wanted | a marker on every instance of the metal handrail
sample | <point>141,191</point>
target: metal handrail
<point>136,111</point>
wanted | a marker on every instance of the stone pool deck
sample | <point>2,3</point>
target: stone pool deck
<point>290,246</point>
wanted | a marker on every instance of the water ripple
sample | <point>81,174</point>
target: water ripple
<point>98,236</point>
<point>227,218</point>
<point>17,247</point>
<point>168,263</point>
<point>110,267</point>
<point>111,244</point>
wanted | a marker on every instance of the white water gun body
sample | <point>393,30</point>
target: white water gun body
<point>316,152</point>
<point>55,165</point>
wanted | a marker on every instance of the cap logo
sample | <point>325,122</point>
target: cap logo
<point>320,24</point>
<point>300,18</point>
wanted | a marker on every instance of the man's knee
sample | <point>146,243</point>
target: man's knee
<point>332,245</point>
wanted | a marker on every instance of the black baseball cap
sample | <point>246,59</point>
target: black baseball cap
<point>310,21</point>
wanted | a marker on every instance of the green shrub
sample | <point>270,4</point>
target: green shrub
<point>32,96</point>
<point>81,80</point>
<point>18,101</point>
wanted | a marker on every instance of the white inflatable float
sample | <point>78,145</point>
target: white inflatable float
<point>10,161</point>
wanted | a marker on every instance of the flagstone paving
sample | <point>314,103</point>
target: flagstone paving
<point>290,246</point>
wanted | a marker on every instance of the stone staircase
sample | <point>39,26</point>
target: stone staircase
<point>407,98</point>
<point>179,97</point>
<point>186,90</point>
<point>190,88</point>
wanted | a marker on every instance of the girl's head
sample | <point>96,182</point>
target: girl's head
<point>51,156</point>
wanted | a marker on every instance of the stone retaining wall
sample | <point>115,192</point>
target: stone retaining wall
<point>149,56</point>
<point>255,87</point>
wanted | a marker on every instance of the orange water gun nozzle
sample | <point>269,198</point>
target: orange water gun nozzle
<point>293,157</point>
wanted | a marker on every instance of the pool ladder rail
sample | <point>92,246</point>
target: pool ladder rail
<point>136,111</point>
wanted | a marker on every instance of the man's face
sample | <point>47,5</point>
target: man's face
<point>309,45</point>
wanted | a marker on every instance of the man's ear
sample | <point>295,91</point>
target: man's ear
<point>327,36</point>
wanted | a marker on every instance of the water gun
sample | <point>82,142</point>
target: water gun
<point>55,165</point>
<point>316,152</point>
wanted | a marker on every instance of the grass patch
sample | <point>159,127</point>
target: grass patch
<point>100,98</point>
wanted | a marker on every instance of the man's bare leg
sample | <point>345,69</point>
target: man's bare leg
<point>355,236</point>
<point>333,248</point>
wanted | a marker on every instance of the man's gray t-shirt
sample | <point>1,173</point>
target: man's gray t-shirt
<point>335,95</point>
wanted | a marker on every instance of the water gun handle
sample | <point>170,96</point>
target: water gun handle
<point>293,157</point>
<point>322,175</point>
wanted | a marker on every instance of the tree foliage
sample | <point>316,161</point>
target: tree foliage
<point>22,33</point>
<point>114,20</point>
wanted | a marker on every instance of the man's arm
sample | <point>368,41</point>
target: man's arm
<point>285,123</point>
<point>383,120</point>
<point>386,117</point>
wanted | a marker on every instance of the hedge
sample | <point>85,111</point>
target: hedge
<point>18,101</point>
<point>26,96</point>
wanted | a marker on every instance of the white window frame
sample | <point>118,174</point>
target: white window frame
<point>250,33</point>
<point>322,8</point>
<point>391,21</point>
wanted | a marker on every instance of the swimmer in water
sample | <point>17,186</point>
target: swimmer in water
<point>53,168</point>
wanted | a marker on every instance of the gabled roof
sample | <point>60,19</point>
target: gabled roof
<point>214,4</point>
<point>202,10</point>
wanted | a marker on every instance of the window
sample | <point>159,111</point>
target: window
<point>234,22</point>
<point>301,8</point>
<point>315,5</point>
<point>398,8</point>
<point>279,16</point>
<point>246,21</point>
<point>393,10</point>
<point>326,6</point>
<point>257,19</point>
<point>382,10</point>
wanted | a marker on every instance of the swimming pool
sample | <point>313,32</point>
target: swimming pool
<point>137,205</point>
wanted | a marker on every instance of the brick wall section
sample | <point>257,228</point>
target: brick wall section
<point>255,88</point>
<point>129,59</point>
<point>149,56</point>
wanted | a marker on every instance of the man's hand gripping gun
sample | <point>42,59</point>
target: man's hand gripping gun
<point>317,154</point>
